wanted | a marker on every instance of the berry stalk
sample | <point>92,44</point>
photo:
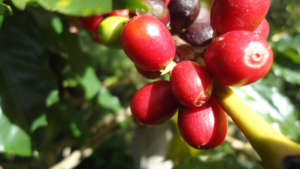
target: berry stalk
<point>271,145</point>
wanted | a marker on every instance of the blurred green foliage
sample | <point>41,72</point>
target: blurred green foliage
<point>59,86</point>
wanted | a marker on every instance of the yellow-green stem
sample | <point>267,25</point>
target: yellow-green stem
<point>270,144</point>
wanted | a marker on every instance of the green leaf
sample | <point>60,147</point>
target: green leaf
<point>13,140</point>
<point>90,83</point>
<point>57,25</point>
<point>89,7</point>
<point>107,100</point>
<point>131,4</point>
<point>26,80</point>
<point>77,7</point>
<point>287,58</point>
<point>1,21</point>
<point>39,122</point>
<point>75,130</point>
<point>288,71</point>
<point>83,7</point>
<point>288,46</point>
<point>52,98</point>
<point>21,4</point>
<point>272,105</point>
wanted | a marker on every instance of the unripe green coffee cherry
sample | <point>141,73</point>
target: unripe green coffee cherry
<point>110,31</point>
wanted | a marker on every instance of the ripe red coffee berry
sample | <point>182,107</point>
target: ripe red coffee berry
<point>239,58</point>
<point>263,29</point>
<point>191,84</point>
<point>148,43</point>
<point>154,103</point>
<point>229,15</point>
<point>121,12</point>
<point>91,23</point>
<point>203,127</point>
<point>167,2</point>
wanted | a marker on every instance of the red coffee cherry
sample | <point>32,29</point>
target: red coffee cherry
<point>91,23</point>
<point>204,127</point>
<point>148,43</point>
<point>149,74</point>
<point>239,58</point>
<point>154,103</point>
<point>191,84</point>
<point>121,12</point>
<point>229,15</point>
<point>167,2</point>
<point>263,29</point>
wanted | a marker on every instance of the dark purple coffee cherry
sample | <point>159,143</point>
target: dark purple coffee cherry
<point>183,13</point>
<point>198,34</point>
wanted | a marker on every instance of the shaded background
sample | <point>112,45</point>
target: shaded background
<point>65,98</point>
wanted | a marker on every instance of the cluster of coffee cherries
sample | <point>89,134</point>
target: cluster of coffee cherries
<point>195,48</point>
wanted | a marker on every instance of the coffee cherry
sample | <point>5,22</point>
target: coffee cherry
<point>183,13</point>
<point>156,8</point>
<point>154,103</point>
<point>159,10</point>
<point>91,23</point>
<point>191,84</point>
<point>110,31</point>
<point>229,15</point>
<point>239,58</point>
<point>204,127</point>
<point>148,43</point>
<point>121,12</point>
<point>263,29</point>
<point>198,34</point>
<point>167,2</point>
<point>149,74</point>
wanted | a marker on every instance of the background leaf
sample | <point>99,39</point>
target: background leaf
<point>21,4</point>
<point>77,7</point>
<point>41,121</point>
<point>273,106</point>
<point>26,80</point>
<point>13,140</point>
<point>89,7</point>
